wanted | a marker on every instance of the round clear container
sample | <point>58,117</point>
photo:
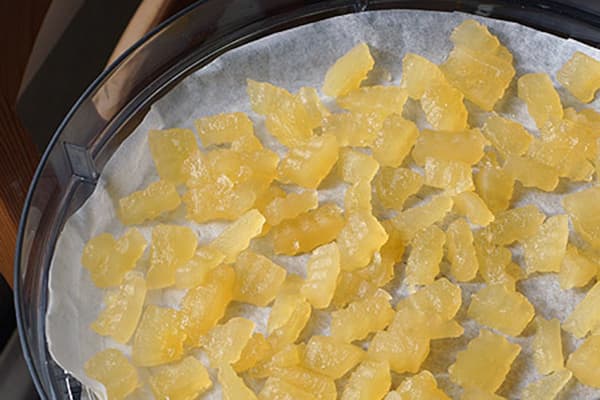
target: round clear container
<point>119,98</point>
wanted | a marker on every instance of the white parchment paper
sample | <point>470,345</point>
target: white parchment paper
<point>295,58</point>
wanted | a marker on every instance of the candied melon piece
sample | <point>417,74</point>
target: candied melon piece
<point>444,108</point>
<point>236,237</point>
<point>478,394</point>
<point>351,287</point>
<point>584,317</point>
<point>532,173</point>
<point>308,230</point>
<point>427,326</point>
<point>545,250</point>
<point>502,309</point>
<point>441,297</point>
<point>381,269</point>
<point>113,370</point>
<point>405,349</point>
<point>358,198</point>
<point>415,219</point>
<point>507,136</point>
<point>585,362</point>
<point>224,343</point>
<point>418,387</point>
<point>382,100</point>
<point>183,380</point>
<point>423,263</point>
<point>194,272</point>
<point>256,350</point>
<point>348,71</point>
<point>122,310</point>
<point>203,306</point>
<point>149,203</point>
<point>309,97</point>
<point>278,389</point>
<point>359,239</point>
<point>466,146</point>
<point>257,279</point>
<point>547,387</point>
<point>223,128</point>
<point>159,337</point>
<point>356,166</point>
<point>484,363</point>
<point>394,185</point>
<point>580,76</point>
<point>475,36</point>
<point>322,387</point>
<point>352,129</point>
<point>169,149</point>
<point>543,102</point>
<point>517,224</point>
<point>330,357</point>
<point>576,269</point>
<point>289,355</point>
<point>452,176</point>
<point>495,186</point>
<point>583,208</point>
<point>418,74</point>
<point>285,302</point>
<point>494,263</point>
<point>361,317</point>
<point>470,205</point>
<point>547,346</point>
<point>291,329</point>
<point>171,247</point>
<point>290,206</point>
<point>233,387</point>
<point>394,141</point>
<point>218,202</point>
<point>461,251</point>
<point>309,164</point>
<point>321,277</point>
<point>370,381</point>
<point>108,259</point>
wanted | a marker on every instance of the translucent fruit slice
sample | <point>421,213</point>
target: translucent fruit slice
<point>475,36</point>
<point>441,297</point>
<point>183,380</point>
<point>461,251</point>
<point>580,76</point>
<point>545,251</point>
<point>381,268</point>
<point>543,102</point>
<point>356,166</point>
<point>452,176</point>
<point>495,186</point>
<point>359,239</point>
<point>358,198</point>
<point>507,136</point>
<point>485,362</point>
<point>444,108</point>
<point>370,381</point>
<point>532,172</point>
<point>470,205</point>
<point>516,224</point>
<point>122,310</point>
<point>309,97</point>
<point>351,286</point>
<point>224,343</point>
<point>278,389</point>
<point>331,357</point>
<point>169,149</point>
<point>423,263</point>
<point>418,74</point>
<point>404,349</point>
<point>257,279</point>
<point>321,277</point>
<point>547,346</point>
<point>494,263</point>
<point>195,271</point>
<point>353,129</point>
<point>584,317</point>
<point>381,100</point>
<point>218,201</point>
<point>394,185</point>
<point>418,387</point>
<point>256,350</point>
<point>149,203</point>
<point>585,362</point>
<point>233,387</point>
<point>463,145</point>
<point>584,210</point>
<point>171,247</point>
<point>224,128</point>
<point>321,386</point>
<point>547,387</point>
<point>415,219</point>
<point>113,370</point>
<point>348,71</point>
<point>576,269</point>
<point>236,237</point>
<point>288,356</point>
<point>394,141</point>
<point>286,302</point>
<point>291,329</point>
<point>290,206</point>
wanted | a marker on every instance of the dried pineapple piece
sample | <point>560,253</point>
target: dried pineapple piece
<point>394,185</point>
<point>257,349</point>
<point>149,203</point>
<point>322,387</point>
<point>123,309</point>
<point>394,141</point>
<point>474,36</point>
<point>113,370</point>
<point>494,262</point>
<point>224,343</point>
<point>381,100</point>
<point>285,303</point>
<point>576,269</point>
<point>351,286</point>
<point>289,355</point>
<point>470,205</point>
<point>218,201</point>
<point>224,128</point>
<point>584,317</point>
<point>517,224</point>
<point>358,198</point>
<point>580,76</point>
<point>502,309</point>
<point>321,277</point>
<point>466,146</point>
<point>359,239</point>
<point>195,271</point>
<point>418,387</point>
<point>370,381</point>
<point>169,149</point>
<point>547,346</point>
<point>507,136</point>
<point>461,251</point>
<point>257,279</point>
<point>585,362</point>
<point>348,71</point>
<point>159,337</point>
<point>413,220</point>
<point>264,199</point>
<point>309,164</point>
<point>543,102</point>
<point>351,129</point>
<point>584,210</point>
<point>236,237</point>
<point>423,263</point>
<point>381,269</point>
<point>356,166</point>
<point>444,108</point>
<point>484,363</point>
<point>405,349</point>
<point>108,259</point>
<point>495,186</point>
<point>478,394</point>
<point>183,380</point>
<point>292,328</point>
<point>442,298</point>
<point>418,74</point>
<point>278,389</point>
<point>331,357</point>
<point>171,247</point>
<point>544,252</point>
<point>290,206</point>
<point>309,97</point>
<point>232,385</point>
<point>532,173</point>
<point>452,176</point>
<point>548,387</point>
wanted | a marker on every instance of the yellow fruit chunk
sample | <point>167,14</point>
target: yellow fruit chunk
<point>321,277</point>
<point>423,326</point>
<point>122,310</point>
<point>290,206</point>
<point>171,247</point>
<point>441,297</point>
<point>478,394</point>
<point>358,198</point>
<point>543,102</point>
<point>485,362</point>
<point>452,176</point>
<point>415,219</point>
<point>507,136</point>
<point>257,279</point>
<point>381,100</point>
<point>444,108</point>
<point>169,149</point>
<point>308,230</point>
<point>291,329</point>
<point>288,356</point>
<point>194,272</point>
<point>461,251</point>
<point>423,263</point>
<point>203,306</point>
<point>576,269</point>
<point>351,287</point>
<point>348,71</point>
<point>108,259</point>
<point>278,389</point>
<point>286,302</point>
<point>418,74</point>
<point>470,205</point>
<point>307,165</point>
<point>394,141</point>
<point>516,224</point>
<point>320,386</point>
<point>381,269</point>
<point>544,252</point>
<point>370,381</point>
<point>218,202</point>
<point>113,370</point>
<point>405,349</point>
<point>584,210</point>
<point>361,317</point>
<point>394,185</point>
<point>580,76</point>
<point>359,239</point>
<point>418,387</point>
<point>223,128</point>
<point>532,173</point>
<point>331,357</point>
<point>351,129</point>
<point>475,36</point>
<point>356,166</point>
<point>224,343</point>
<point>183,380</point>
<point>232,385</point>
<point>585,362</point>
<point>547,387</point>
<point>256,350</point>
<point>309,97</point>
<point>236,237</point>
<point>149,203</point>
<point>584,317</point>
<point>547,346</point>
<point>502,309</point>
<point>159,337</point>
<point>494,263</point>
<point>495,186</point>
<point>466,146</point>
